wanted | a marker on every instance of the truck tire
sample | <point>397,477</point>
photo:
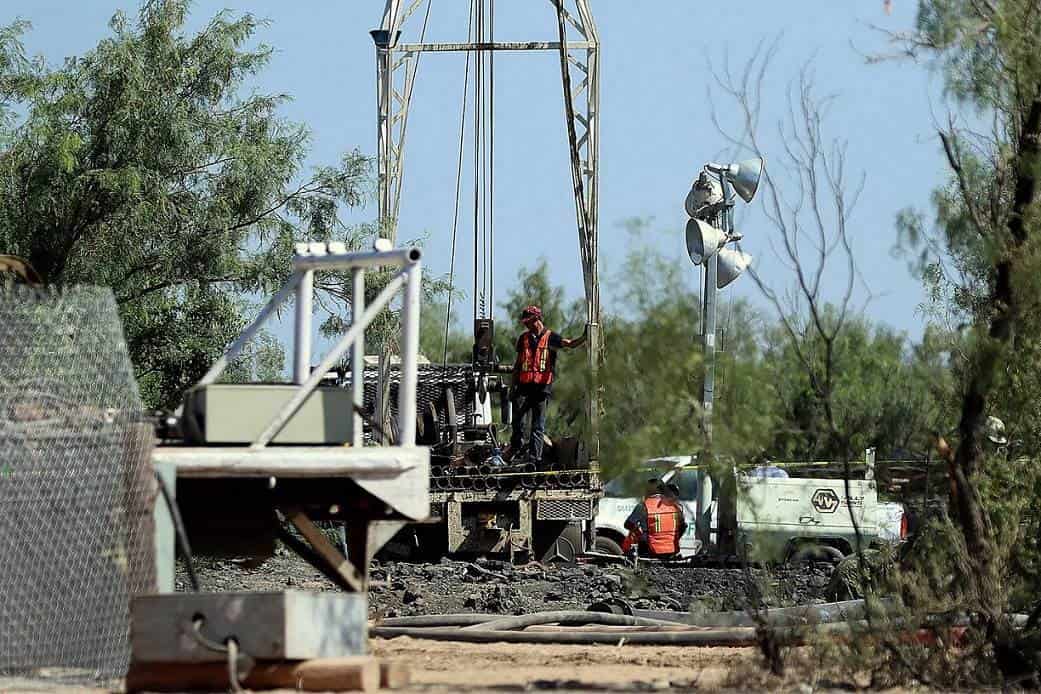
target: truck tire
<point>606,545</point>
<point>557,542</point>
<point>814,552</point>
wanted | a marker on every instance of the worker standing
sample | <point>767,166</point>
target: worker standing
<point>658,520</point>
<point>533,373</point>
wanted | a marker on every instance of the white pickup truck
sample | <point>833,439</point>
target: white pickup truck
<point>778,518</point>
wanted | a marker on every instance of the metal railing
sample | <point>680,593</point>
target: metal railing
<point>309,258</point>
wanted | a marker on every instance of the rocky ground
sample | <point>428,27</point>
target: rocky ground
<point>402,589</point>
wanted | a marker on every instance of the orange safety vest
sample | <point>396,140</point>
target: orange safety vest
<point>662,525</point>
<point>535,362</point>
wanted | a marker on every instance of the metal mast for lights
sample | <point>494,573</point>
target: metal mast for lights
<point>710,204</point>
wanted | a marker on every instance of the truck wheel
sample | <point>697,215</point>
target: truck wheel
<point>606,545</point>
<point>808,553</point>
<point>558,543</point>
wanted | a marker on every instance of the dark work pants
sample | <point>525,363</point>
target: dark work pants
<point>535,403</point>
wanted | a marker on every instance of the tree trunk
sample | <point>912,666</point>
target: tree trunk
<point>969,456</point>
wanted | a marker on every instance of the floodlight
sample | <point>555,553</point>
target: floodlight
<point>731,264</point>
<point>703,240</point>
<point>744,175</point>
<point>381,37</point>
<point>704,194</point>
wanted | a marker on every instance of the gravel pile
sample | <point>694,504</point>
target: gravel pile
<point>404,589</point>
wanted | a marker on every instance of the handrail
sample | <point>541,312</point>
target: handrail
<point>311,257</point>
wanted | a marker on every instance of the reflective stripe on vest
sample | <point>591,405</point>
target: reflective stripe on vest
<point>662,524</point>
<point>535,362</point>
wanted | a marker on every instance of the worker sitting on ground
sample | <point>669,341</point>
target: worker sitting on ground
<point>658,520</point>
<point>533,378</point>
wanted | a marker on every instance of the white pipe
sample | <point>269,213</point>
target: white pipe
<point>357,355</point>
<point>409,352</point>
<point>344,261</point>
<point>302,330</point>
<point>304,391</point>
<point>243,339</point>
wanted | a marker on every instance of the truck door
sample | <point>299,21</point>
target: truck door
<point>687,481</point>
<point>773,513</point>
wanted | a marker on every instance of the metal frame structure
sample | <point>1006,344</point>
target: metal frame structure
<point>319,256</point>
<point>397,63</point>
<point>373,491</point>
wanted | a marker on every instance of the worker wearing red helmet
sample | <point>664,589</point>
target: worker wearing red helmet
<point>533,374</point>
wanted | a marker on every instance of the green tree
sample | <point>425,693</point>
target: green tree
<point>433,336</point>
<point>884,391</point>
<point>981,260</point>
<point>148,165</point>
<point>653,367</point>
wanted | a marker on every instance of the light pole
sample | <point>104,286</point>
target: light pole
<point>710,204</point>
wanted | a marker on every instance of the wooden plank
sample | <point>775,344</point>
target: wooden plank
<point>325,549</point>
<point>348,674</point>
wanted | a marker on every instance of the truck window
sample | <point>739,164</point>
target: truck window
<point>687,481</point>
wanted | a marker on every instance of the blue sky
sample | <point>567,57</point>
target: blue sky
<point>655,133</point>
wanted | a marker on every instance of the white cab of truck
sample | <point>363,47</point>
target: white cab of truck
<point>779,518</point>
<point>618,500</point>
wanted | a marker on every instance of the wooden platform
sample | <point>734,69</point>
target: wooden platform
<point>351,674</point>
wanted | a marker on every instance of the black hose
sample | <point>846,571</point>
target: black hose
<point>693,636</point>
<point>439,620</point>
<point>709,637</point>
<point>182,536</point>
<point>782,616</point>
<point>571,617</point>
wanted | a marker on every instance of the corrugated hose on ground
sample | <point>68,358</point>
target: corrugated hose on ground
<point>790,626</point>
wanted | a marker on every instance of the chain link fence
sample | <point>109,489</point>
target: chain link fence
<point>76,487</point>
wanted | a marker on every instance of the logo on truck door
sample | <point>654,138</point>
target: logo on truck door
<point>825,500</point>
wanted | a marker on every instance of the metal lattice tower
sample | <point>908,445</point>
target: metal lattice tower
<point>579,47</point>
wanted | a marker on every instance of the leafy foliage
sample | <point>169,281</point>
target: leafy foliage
<point>148,165</point>
<point>886,388</point>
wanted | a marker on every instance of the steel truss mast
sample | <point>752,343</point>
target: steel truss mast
<point>578,45</point>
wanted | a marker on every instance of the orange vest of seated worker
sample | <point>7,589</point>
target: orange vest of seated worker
<point>658,521</point>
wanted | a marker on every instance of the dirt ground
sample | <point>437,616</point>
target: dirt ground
<point>455,667</point>
<point>404,589</point>
<point>438,666</point>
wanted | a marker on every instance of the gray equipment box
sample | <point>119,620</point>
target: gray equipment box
<point>291,625</point>
<point>237,413</point>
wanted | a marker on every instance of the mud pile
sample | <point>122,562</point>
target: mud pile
<point>403,589</point>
